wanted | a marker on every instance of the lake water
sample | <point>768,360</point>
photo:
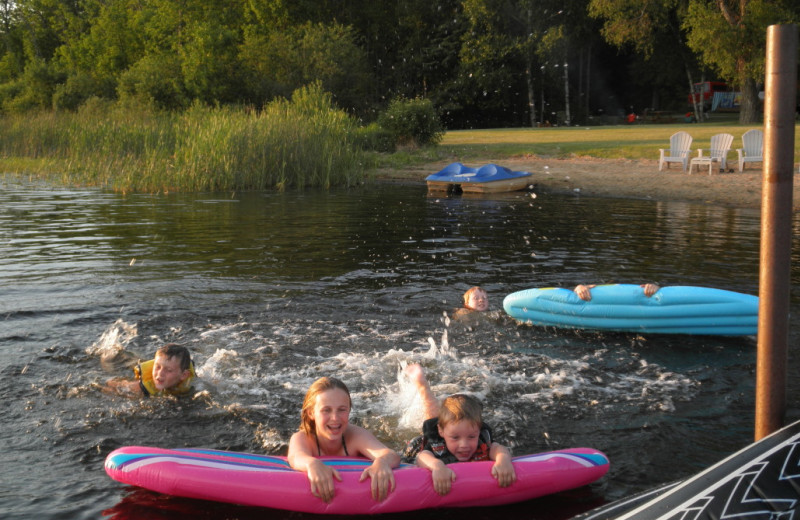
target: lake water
<point>272,290</point>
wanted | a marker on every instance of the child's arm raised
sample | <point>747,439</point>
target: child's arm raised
<point>503,469</point>
<point>443,477</point>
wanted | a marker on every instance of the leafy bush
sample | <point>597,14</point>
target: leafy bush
<point>278,61</point>
<point>375,138</point>
<point>412,121</point>
<point>8,92</point>
<point>37,85</point>
<point>154,79</point>
<point>77,89</point>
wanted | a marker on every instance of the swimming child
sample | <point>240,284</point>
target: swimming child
<point>475,300</point>
<point>325,430</point>
<point>454,432</point>
<point>584,291</point>
<point>170,372</point>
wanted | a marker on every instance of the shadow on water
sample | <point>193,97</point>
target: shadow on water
<point>270,291</point>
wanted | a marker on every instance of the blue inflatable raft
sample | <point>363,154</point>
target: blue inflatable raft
<point>625,308</point>
<point>490,178</point>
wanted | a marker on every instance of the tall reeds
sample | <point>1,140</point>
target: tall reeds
<point>300,143</point>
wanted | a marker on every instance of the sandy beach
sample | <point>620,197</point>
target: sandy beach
<point>626,179</point>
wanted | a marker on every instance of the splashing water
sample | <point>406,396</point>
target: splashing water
<point>114,340</point>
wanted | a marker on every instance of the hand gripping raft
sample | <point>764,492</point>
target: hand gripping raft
<point>268,481</point>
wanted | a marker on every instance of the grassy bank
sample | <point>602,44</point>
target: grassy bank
<point>638,141</point>
<point>289,144</point>
<point>613,142</point>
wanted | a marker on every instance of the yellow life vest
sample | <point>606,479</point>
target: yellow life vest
<point>144,373</point>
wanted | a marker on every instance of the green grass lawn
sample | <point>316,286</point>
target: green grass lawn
<point>636,141</point>
<point>610,142</point>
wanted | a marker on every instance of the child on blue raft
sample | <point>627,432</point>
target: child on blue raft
<point>477,300</point>
<point>453,432</point>
<point>584,291</point>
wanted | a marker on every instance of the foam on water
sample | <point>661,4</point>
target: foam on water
<point>249,371</point>
<point>114,340</point>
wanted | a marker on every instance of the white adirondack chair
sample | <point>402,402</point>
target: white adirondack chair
<point>718,153</point>
<point>752,148</point>
<point>679,147</point>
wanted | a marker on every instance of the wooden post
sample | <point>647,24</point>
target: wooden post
<point>776,228</point>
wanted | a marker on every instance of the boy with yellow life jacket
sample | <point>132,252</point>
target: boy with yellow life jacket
<point>170,372</point>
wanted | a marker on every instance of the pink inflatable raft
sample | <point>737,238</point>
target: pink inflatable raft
<point>268,481</point>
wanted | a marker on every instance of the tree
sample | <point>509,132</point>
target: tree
<point>411,46</point>
<point>94,58</point>
<point>492,63</point>
<point>204,36</point>
<point>732,38</point>
<point>210,61</point>
<point>278,62</point>
<point>12,56</point>
<point>155,79</point>
<point>728,36</point>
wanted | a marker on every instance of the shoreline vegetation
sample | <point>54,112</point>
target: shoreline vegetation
<point>289,144</point>
<point>306,143</point>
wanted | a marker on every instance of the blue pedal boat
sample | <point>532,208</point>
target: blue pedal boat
<point>491,178</point>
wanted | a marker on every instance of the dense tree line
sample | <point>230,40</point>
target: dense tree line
<point>480,62</point>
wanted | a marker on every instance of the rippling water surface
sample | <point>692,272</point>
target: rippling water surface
<point>270,291</point>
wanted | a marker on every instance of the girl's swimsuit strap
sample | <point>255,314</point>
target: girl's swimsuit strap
<point>319,451</point>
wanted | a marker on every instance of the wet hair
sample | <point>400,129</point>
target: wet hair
<point>460,407</point>
<point>470,292</point>
<point>171,350</point>
<point>323,384</point>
